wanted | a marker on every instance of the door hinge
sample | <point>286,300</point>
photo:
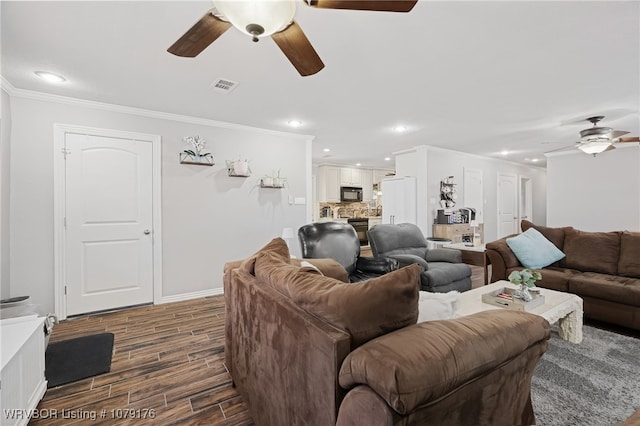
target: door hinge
<point>64,222</point>
<point>65,152</point>
<point>65,290</point>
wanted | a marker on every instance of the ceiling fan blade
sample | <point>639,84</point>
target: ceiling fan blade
<point>609,148</point>
<point>297,48</point>
<point>200,36</point>
<point>375,5</point>
<point>617,133</point>
<point>629,139</point>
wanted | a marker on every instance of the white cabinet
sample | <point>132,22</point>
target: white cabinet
<point>367,185</point>
<point>23,381</point>
<point>399,200</point>
<point>350,177</point>
<point>328,184</point>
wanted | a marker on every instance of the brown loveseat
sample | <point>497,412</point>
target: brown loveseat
<point>603,268</point>
<point>308,349</point>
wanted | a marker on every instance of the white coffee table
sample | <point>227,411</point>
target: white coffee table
<point>560,307</point>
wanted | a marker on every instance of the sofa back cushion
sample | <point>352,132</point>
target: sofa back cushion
<point>365,309</point>
<point>276,249</point>
<point>592,251</point>
<point>629,262</point>
<point>555,235</point>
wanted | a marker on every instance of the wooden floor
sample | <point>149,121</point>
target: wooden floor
<point>168,360</point>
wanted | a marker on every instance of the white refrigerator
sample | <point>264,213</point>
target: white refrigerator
<point>399,200</point>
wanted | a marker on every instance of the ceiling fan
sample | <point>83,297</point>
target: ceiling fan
<point>597,139</point>
<point>262,18</point>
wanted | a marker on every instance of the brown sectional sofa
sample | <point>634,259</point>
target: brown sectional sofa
<point>603,268</point>
<point>305,348</point>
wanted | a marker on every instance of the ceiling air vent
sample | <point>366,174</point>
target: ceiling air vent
<point>223,85</point>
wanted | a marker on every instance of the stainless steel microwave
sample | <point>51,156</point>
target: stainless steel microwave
<point>350,194</point>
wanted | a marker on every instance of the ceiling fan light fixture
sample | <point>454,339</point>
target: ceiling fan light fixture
<point>594,147</point>
<point>257,18</point>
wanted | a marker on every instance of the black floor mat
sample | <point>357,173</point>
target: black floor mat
<point>76,359</point>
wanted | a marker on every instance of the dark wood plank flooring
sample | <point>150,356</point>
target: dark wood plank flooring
<point>167,358</point>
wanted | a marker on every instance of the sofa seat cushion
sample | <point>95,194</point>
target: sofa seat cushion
<point>629,261</point>
<point>422,363</point>
<point>444,273</point>
<point>533,250</point>
<point>613,288</point>
<point>592,251</point>
<point>555,278</point>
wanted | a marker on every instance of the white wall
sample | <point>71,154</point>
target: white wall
<point>600,193</point>
<point>441,163</point>
<point>5,153</point>
<point>208,218</point>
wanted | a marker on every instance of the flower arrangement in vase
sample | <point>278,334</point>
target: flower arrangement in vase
<point>526,279</point>
<point>196,154</point>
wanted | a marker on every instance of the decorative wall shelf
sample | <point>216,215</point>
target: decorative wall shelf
<point>198,161</point>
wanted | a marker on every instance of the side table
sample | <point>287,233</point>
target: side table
<point>473,255</point>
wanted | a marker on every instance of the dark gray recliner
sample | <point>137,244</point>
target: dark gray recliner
<point>443,270</point>
<point>339,241</point>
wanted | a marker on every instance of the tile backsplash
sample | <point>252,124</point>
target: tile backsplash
<point>350,210</point>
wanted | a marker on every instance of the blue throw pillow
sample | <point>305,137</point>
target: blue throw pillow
<point>533,250</point>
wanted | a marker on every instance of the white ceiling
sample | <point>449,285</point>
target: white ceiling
<point>479,77</point>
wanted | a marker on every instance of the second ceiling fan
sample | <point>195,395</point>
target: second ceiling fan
<point>262,18</point>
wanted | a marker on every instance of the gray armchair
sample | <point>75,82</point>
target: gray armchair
<point>443,270</point>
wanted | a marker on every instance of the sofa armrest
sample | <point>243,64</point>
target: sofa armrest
<point>377,265</point>
<point>501,258</point>
<point>421,363</point>
<point>410,259</point>
<point>444,255</point>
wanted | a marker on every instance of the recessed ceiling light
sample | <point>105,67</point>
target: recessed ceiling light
<point>50,77</point>
<point>294,123</point>
<point>400,129</point>
<point>504,152</point>
<point>535,160</point>
<point>358,164</point>
<point>387,158</point>
<point>327,150</point>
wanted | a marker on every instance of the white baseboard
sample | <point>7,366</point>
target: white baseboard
<point>194,295</point>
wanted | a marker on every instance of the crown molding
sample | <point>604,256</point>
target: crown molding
<point>7,86</point>
<point>47,97</point>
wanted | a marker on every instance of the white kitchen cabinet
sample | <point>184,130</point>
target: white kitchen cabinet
<point>367,185</point>
<point>350,177</point>
<point>328,184</point>
<point>399,200</point>
<point>23,380</point>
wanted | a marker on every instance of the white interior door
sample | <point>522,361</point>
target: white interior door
<point>525,205</point>
<point>109,216</point>
<point>507,205</point>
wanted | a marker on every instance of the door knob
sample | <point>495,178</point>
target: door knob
<point>147,232</point>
